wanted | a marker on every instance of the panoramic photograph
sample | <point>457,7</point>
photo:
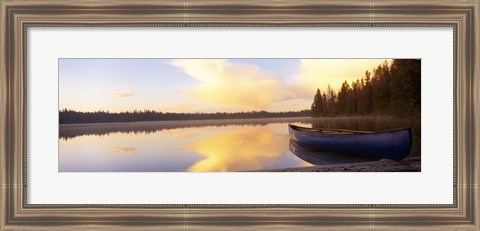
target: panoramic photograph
<point>239,115</point>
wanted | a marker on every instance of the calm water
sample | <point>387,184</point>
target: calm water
<point>200,146</point>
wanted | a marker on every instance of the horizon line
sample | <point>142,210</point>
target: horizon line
<point>152,110</point>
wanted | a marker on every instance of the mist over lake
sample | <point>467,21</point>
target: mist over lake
<point>200,145</point>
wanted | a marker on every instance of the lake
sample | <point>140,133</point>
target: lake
<point>201,145</point>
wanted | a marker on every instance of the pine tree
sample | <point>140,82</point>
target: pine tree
<point>317,105</point>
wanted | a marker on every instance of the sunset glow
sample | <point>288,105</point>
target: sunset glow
<point>202,85</point>
<point>250,148</point>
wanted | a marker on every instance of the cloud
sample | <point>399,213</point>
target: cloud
<point>248,87</point>
<point>128,151</point>
<point>239,85</point>
<point>182,107</point>
<point>319,73</point>
<point>128,93</point>
<point>247,149</point>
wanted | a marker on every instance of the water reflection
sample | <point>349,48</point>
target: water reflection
<point>246,149</point>
<point>317,157</point>
<point>200,146</point>
<point>101,129</point>
<point>153,152</point>
<point>128,151</point>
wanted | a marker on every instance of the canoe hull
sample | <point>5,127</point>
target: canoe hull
<point>394,144</point>
<point>317,157</point>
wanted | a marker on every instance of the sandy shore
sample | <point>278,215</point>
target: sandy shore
<point>410,164</point>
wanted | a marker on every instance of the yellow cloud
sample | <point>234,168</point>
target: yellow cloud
<point>182,107</point>
<point>180,132</point>
<point>238,85</point>
<point>319,73</point>
<point>128,93</point>
<point>128,151</point>
<point>247,87</point>
<point>249,148</point>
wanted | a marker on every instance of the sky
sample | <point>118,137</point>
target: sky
<point>202,85</point>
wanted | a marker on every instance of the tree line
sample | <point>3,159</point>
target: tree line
<point>390,89</point>
<point>68,116</point>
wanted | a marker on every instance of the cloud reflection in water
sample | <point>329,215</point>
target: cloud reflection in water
<point>247,149</point>
<point>128,151</point>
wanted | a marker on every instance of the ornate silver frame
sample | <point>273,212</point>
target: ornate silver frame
<point>18,16</point>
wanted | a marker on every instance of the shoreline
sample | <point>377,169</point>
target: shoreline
<point>74,130</point>
<point>215,121</point>
<point>409,164</point>
<point>191,121</point>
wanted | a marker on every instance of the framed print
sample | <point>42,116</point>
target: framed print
<point>164,115</point>
<point>219,122</point>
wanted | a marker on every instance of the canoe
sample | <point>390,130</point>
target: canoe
<point>392,144</point>
<point>319,157</point>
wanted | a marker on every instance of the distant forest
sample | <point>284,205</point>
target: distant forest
<point>388,90</point>
<point>74,117</point>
